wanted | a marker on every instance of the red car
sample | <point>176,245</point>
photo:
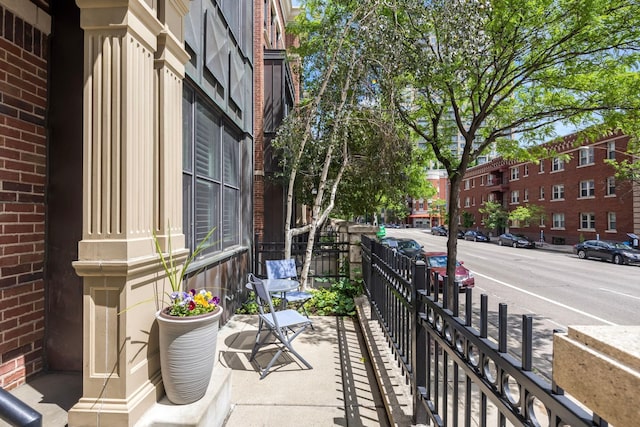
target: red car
<point>437,261</point>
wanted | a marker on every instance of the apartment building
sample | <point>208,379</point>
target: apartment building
<point>579,195</point>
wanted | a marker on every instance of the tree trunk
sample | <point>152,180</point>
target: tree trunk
<point>452,240</point>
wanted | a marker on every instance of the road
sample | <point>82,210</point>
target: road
<point>557,289</point>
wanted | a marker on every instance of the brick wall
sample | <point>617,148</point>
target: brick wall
<point>23,102</point>
<point>530,180</point>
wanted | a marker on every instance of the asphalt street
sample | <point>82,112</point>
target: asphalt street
<point>557,289</point>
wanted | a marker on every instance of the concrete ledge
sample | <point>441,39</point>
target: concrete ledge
<point>599,366</point>
<point>210,411</point>
<point>396,395</point>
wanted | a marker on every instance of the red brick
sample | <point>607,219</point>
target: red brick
<point>29,258</point>
<point>34,318</point>
<point>6,346</point>
<point>18,332</point>
<point>8,302</point>
<point>18,228</point>
<point>29,298</point>
<point>30,338</point>
<point>18,207</point>
<point>24,66</point>
<point>7,367</point>
<point>8,260</point>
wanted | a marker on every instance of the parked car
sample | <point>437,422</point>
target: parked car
<point>437,261</point>
<point>439,230</point>
<point>410,248</point>
<point>476,236</point>
<point>616,252</point>
<point>390,242</point>
<point>516,240</point>
<point>461,234</point>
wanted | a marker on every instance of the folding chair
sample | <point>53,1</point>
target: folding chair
<point>286,269</point>
<point>284,325</point>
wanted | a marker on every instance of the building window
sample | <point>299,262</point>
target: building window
<point>482,180</point>
<point>541,197</point>
<point>525,172</point>
<point>558,192</point>
<point>611,186</point>
<point>588,221</point>
<point>611,221</point>
<point>587,188</point>
<point>466,184</point>
<point>526,195</point>
<point>586,156</point>
<point>515,173</point>
<point>211,176</point>
<point>558,220</point>
<point>467,202</point>
<point>473,183</point>
<point>611,150</point>
<point>421,205</point>
<point>515,196</point>
<point>542,223</point>
<point>541,166</point>
<point>557,165</point>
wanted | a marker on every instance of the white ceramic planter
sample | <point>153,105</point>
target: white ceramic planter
<point>187,354</point>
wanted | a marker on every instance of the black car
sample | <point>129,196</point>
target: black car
<point>461,234</point>
<point>439,230</point>
<point>390,242</point>
<point>476,236</point>
<point>616,252</point>
<point>516,241</point>
<point>410,248</point>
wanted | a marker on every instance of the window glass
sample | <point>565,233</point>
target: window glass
<point>211,188</point>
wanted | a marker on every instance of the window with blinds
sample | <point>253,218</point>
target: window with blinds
<point>211,175</point>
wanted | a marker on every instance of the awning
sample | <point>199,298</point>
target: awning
<point>420,215</point>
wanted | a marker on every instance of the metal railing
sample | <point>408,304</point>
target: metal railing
<point>16,412</point>
<point>328,260</point>
<point>458,373</point>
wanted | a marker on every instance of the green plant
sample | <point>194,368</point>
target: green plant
<point>185,303</point>
<point>337,300</point>
<point>250,306</point>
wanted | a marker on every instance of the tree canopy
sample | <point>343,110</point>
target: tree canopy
<point>504,73</point>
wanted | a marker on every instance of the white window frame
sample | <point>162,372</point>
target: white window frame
<point>525,171</point>
<point>467,202</point>
<point>611,221</point>
<point>558,221</point>
<point>557,164</point>
<point>557,192</point>
<point>515,197</point>
<point>515,173</point>
<point>541,166</point>
<point>611,186</point>
<point>586,156</point>
<point>587,189</point>
<point>525,197</point>
<point>611,150</point>
<point>541,193</point>
<point>587,221</point>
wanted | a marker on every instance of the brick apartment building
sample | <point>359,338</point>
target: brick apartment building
<point>425,213</point>
<point>581,197</point>
<point>120,119</point>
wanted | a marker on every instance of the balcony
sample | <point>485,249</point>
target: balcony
<point>500,185</point>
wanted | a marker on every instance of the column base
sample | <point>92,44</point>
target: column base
<point>116,412</point>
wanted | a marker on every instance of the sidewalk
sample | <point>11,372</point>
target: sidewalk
<point>341,389</point>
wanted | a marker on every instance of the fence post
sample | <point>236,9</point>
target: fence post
<point>418,344</point>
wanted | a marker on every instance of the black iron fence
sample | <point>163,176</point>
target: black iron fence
<point>328,261</point>
<point>458,374</point>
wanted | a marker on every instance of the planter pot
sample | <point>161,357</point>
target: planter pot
<point>187,354</point>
